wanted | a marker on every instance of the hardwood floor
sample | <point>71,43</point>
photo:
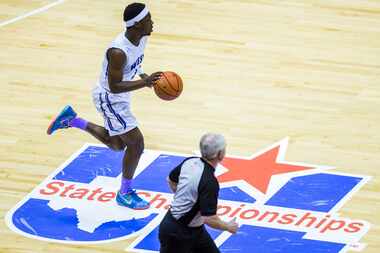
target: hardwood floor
<point>256,71</point>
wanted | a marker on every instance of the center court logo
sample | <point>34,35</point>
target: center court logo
<point>281,206</point>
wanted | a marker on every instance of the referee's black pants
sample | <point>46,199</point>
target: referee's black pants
<point>178,238</point>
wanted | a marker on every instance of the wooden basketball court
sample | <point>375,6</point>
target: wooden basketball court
<point>256,71</point>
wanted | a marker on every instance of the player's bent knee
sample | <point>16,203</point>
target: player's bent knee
<point>134,141</point>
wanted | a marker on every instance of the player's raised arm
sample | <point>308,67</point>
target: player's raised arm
<point>117,60</point>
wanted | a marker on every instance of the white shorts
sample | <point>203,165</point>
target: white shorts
<point>115,109</point>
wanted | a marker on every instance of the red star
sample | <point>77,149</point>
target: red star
<point>258,170</point>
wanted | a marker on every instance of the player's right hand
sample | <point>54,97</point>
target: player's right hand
<point>233,226</point>
<point>153,78</point>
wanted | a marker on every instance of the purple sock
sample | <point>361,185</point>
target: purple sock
<point>78,123</point>
<point>126,185</point>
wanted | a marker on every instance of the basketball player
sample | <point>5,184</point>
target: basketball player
<point>112,98</point>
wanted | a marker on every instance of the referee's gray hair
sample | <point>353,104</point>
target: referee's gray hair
<point>211,144</point>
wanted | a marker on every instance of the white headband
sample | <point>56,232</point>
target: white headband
<point>138,18</point>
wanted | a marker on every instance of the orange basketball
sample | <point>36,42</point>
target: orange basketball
<point>169,86</point>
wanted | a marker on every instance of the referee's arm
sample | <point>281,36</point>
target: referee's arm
<point>173,178</point>
<point>172,185</point>
<point>208,200</point>
<point>215,222</point>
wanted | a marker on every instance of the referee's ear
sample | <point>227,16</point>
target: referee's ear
<point>221,155</point>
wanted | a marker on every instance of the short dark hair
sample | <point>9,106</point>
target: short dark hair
<point>132,10</point>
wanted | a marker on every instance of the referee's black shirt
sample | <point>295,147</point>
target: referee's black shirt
<point>197,191</point>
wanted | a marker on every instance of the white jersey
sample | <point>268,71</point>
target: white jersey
<point>135,56</point>
<point>115,107</point>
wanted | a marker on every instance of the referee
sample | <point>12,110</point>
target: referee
<point>195,202</point>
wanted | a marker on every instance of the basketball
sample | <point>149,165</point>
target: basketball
<point>169,86</point>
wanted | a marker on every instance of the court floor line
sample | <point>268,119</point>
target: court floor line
<point>33,12</point>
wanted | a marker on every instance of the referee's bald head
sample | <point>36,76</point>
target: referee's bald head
<point>212,145</point>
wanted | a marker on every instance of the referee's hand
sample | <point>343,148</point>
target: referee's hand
<point>232,226</point>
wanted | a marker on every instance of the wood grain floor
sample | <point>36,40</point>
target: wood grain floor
<point>257,71</point>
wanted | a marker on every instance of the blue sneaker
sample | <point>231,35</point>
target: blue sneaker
<point>131,200</point>
<point>62,120</point>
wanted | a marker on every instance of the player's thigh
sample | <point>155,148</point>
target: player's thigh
<point>133,139</point>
